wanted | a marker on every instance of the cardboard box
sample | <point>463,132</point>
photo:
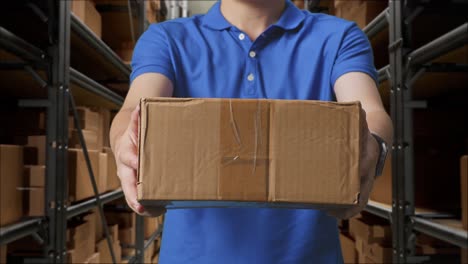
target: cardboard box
<point>36,201</point>
<point>95,258</point>
<point>11,178</point>
<point>90,137</point>
<point>89,119</point>
<point>38,142</point>
<point>105,255</point>
<point>103,172</point>
<point>30,156</point>
<point>112,180</point>
<point>104,126</point>
<point>348,249</point>
<point>81,240</point>
<point>151,225</point>
<point>79,182</point>
<point>155,259</point>
<point>86,11</point>
<point>269,152</point>
<point>149,252</point>
<point>371,229</point>
<point>464,190</point>
<point>360,11</point>
<point>122,219</point>
<point>34,176</point>
<point>127,236</point>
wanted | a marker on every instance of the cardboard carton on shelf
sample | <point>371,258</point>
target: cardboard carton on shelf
<point>122,219</point>
<point>36,201</point>
<point>11,178</point>
<point>284,153</point>
<point>127,237</point>
<point>103,172</point>
<point>112,180</point>
<point>104,253</point>
<point>125,51</point>
<point>95,258</point>
<point>39,143</point>
<point>464,190</point>
<point>155,258</point>
<point>34,175</point>
<point>348,248</point>
<point>86,11</point>
<point>89,119</point>
<point>373,252</point>
<point>90,137</point>
<point>79,182</point>
<point>371,229</point>
<point>81,240</point>
<point>104,125</point>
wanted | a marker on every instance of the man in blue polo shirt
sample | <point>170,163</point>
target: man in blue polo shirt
<point>252,49</point>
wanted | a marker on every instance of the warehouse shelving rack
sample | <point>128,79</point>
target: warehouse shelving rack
<point>63,86</point>
<point>405,67</point>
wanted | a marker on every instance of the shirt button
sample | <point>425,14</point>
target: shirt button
<point>251,77</point>
<point>252,54</point>
<point>241,36</point>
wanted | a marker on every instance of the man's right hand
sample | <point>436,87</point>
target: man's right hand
<point>126,153</point>
<point>124,134</point>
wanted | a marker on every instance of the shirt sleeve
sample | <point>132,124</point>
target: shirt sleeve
<point>354,55</point>
<point>152,54</point>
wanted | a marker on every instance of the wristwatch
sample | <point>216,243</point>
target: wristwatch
<point>382,155</point>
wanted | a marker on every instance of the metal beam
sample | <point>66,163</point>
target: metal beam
<point>449,234</point>
<point>19,47</point>
<point>379,210</point>
<point>384,73</point>
<point>445,43</point>
<point>94,87</point>
<point>19,230</point>
<point>85,33</point>
<point>87,205</point>
<point>377,25</point>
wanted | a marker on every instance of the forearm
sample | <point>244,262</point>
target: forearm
<point>119,125</point>
<point>379,122</point>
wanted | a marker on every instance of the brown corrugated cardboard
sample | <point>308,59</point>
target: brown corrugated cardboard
<point>378,253</point>
<point>90,137</point>
<point>464,190</point>
<point>371,229</point>
<point>95,258</point>
<point>34,176</point>
<point>113,181</point>
<point>86,11</point>
<point>155,259</point>
<point>38,142</point>
<point>290,153</point>
<point>79,183</point>
<point>81,240</point>
<point>348,249</point>
<point>36,198</point>
<point>89,119</point>
<point>104,126</point>
<point>104,253</point>
<point>11,178</point>
<point>127,235</point>
<point>122,219</point>
<point>103,172</point>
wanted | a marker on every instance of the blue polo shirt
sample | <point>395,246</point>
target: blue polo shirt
<point>299,57</point>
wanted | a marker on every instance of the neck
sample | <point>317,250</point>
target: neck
<point>252,16</point>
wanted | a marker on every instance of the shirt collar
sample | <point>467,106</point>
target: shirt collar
<point>291,18</point>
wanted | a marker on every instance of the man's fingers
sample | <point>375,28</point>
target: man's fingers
<point>129,158</point>
<point>129,186</point>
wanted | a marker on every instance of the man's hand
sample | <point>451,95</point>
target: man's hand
<point>126,154</point>
<point>367,165</point>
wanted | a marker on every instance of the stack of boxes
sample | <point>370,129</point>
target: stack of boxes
<point>86,11</point>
